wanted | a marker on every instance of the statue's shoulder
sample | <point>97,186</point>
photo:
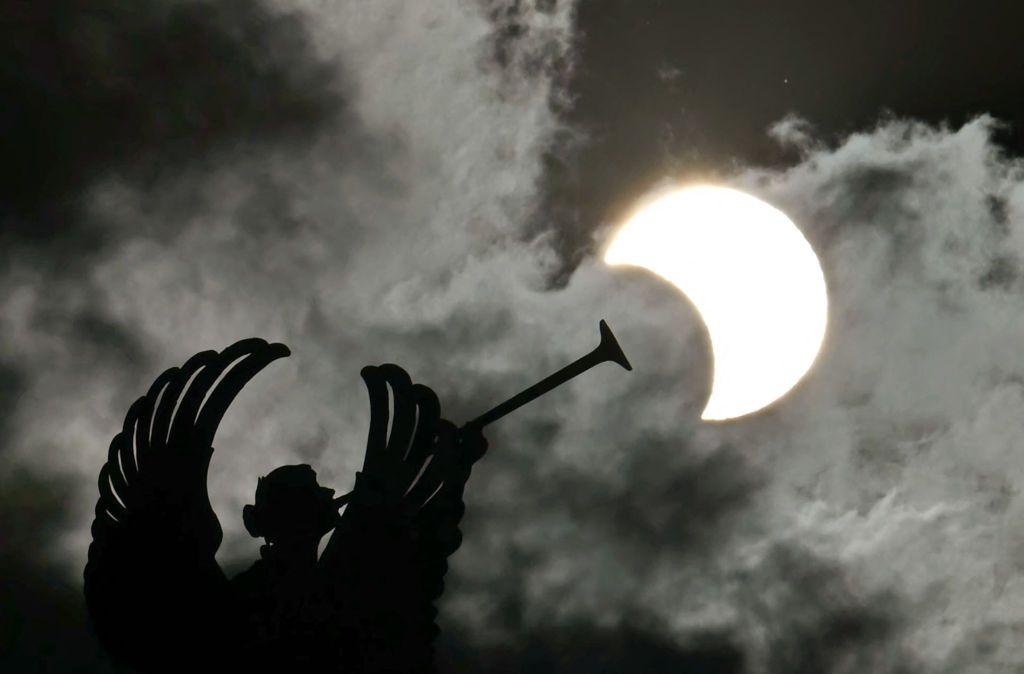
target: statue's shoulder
<point>252,580</point>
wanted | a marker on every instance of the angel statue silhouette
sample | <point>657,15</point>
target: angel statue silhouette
<point>159,601</point>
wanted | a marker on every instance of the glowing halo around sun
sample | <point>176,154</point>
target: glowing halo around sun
<point>753,277</point>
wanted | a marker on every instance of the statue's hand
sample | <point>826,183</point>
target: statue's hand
<point>472,445</point>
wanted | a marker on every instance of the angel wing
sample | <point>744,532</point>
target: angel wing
<point>156,595</point>
<point>388,556</point>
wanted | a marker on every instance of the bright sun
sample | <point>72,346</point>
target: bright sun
<point>752,276</point>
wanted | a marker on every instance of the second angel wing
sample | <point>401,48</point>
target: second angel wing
<point>388,556</point>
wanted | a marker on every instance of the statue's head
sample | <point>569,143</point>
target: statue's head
<point>290,506</point>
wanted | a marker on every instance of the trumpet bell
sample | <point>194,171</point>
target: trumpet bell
<point>609,347</point>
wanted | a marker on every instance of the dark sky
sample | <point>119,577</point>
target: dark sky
<point>689,88</point>
<point>427,184</point>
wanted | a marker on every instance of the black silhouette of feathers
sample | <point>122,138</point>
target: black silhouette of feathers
<point>154,590</point>
<point>388,556</point>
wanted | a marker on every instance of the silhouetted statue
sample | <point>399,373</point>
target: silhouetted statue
<point>159,601</point>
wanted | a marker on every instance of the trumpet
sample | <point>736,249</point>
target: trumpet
<point>607,351</point>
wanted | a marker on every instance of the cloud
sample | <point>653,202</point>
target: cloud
<point>43,618</point>
<point>582,648</point>
<point>103,92</point>
<point>905,428</point>
<point>141,91</point>
<point>866,522</point>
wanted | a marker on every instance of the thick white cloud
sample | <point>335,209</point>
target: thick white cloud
<point>871,519</point>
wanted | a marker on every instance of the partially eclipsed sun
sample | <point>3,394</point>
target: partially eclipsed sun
<point>752,276</point>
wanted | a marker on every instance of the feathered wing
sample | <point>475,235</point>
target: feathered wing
<point>156,595</point>
<point>388,556</point>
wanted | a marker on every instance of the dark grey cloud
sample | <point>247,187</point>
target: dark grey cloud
<point>141,90</point>
<point>681,506</point>
<point>43,621</point>
<point>584,648</point>
<point>11,387</point>
<point>815,621</point>
<point>136,93</point>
